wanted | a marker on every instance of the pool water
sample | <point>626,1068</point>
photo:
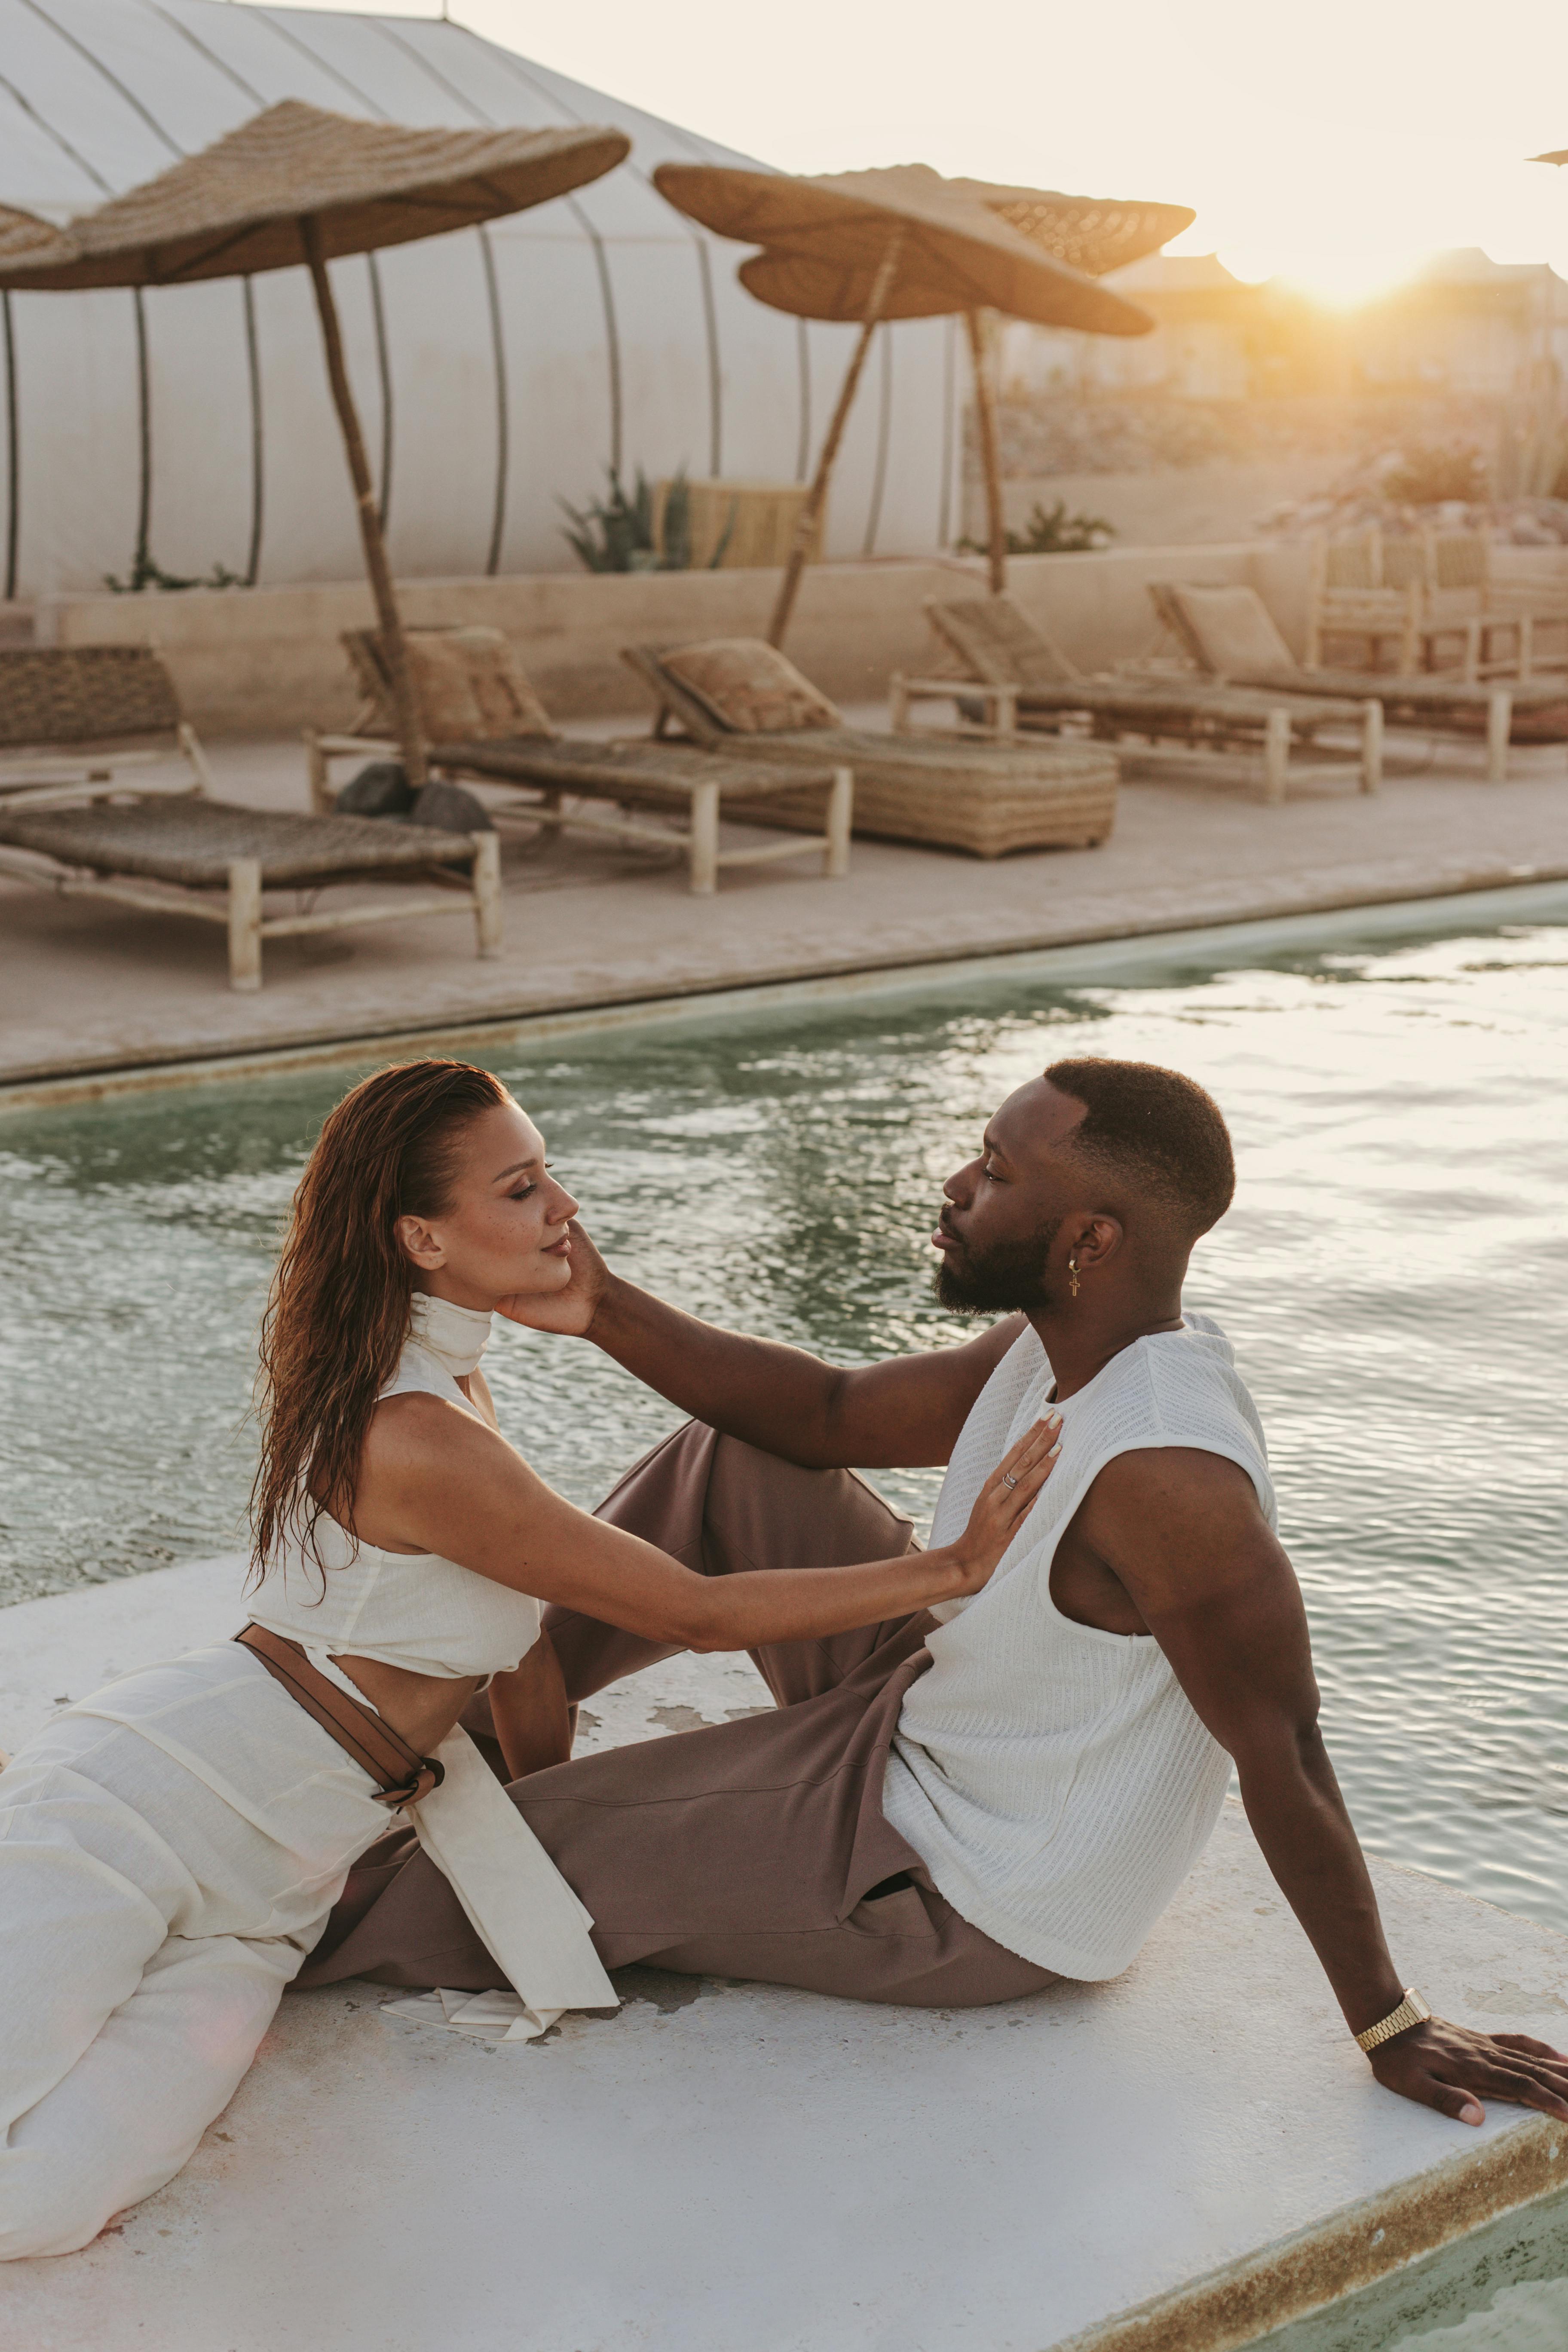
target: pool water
<point>1394,1276</point>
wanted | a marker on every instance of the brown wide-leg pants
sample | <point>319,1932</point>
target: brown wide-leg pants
<point>755,1848</point>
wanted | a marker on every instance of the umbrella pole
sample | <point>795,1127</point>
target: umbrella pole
<point>811,512</point>
<point>405,709</point>
<point>985,423</point>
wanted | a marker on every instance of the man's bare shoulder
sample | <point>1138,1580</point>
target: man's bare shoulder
<point>1157,1500</point>
<point>1185,1477</point>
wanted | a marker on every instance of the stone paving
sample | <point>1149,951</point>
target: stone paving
<point>86,986</point>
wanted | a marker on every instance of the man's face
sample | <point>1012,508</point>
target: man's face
<point>1003,1212</point>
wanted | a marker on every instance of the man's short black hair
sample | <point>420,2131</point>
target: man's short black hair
<point>1156,1129</point>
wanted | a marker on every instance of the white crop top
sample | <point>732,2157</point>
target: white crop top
<point>419,1610</point>
<point>414,1609</point>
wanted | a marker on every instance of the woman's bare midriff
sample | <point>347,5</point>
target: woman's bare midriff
<point>421,1708</point>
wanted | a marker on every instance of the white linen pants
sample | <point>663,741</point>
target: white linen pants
<point>169,1850</point>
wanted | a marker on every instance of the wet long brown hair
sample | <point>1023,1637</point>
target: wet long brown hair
<point>337,1315</point>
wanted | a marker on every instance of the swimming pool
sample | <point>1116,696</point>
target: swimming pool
<point>1395,1276</point>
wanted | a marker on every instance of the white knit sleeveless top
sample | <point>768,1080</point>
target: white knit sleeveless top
<point>406,1609</point>
<point>1054,1778</point>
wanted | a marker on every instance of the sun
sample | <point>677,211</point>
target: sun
<point>1340,278</point>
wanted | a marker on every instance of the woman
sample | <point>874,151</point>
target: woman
<point>171,1846</point>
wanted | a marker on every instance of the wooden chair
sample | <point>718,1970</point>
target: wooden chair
<point>1004,653</point>
<point>211,859</point>
<point>1433,593</point>
<point>1461,571</point>
<point>484,721</point>
<point>745,697</point>
<point>1348,597</point>
<point>1230,633</point>
<point>76,716</point>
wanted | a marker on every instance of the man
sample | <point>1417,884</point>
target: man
<point>959,1812</point>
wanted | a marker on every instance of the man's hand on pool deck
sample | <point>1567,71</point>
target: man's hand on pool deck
<point>1452,2068</point>
<point>1185,1536</point>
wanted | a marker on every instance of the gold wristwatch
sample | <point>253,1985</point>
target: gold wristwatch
<point>1412,2010</point>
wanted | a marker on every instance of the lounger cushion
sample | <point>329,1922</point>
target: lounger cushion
<point>471,687</point>
<point>1234,628</point>
<point>750,687</point>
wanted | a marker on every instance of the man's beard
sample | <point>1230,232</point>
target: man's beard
<point>1009,1279</point>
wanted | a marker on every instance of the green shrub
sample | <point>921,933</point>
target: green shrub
<point>1056,533</point>
<point>1430,474</point>
<point>617,533</point>
<point>145,572</point>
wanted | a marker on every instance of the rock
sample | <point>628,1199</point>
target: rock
<point>1353,506</point>
<point>450,809</point>
<point>379,790</point>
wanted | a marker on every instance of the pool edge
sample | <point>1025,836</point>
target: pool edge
<point>100,1078</point>
<point>1240,2305</point>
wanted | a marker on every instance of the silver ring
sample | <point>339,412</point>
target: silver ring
<point>1007,1481</point>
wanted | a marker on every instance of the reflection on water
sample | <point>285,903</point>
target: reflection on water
<point>1394,1275</point>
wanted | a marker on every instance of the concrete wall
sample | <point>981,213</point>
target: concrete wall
<point>1096,607</point>
<point>265,661</point>
<point>1166,506</point>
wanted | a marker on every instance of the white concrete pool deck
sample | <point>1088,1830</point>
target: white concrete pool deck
<point>88,987</point>
<point>1173,2162</point>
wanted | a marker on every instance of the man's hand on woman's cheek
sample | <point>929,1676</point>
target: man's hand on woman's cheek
<point>572,1309</point>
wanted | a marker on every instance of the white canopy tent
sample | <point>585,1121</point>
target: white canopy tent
<point>497,369</point>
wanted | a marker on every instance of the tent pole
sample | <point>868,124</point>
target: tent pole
<point>985,423</point>
<point>405,709</point>
<point>811,512</point>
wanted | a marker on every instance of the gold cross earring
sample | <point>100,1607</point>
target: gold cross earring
<point>1072,1275</point>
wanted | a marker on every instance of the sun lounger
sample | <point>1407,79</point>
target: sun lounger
<point>214,860</point>
<point>113,706</point>
<point>742,697</point>
<point>1230,633</point>
<point>483,719</point>
<point>1006,657</point>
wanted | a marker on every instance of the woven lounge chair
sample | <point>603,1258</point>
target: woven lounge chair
<point>1230,633</point>
<point>743,696</point>
<point>1006,655</point>
<point>482,719</point>
<point>114,706</point>
<point>211,859</point>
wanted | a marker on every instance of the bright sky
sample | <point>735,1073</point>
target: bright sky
<point>1332,141</point>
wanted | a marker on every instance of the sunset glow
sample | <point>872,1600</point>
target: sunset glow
<point>1336,148</point>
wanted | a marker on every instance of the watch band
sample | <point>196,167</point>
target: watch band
<point>1412,2010</point>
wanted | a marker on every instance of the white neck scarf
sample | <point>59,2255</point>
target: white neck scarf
<point>456,1336</point>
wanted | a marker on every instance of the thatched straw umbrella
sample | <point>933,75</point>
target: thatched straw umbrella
<point>297,185</point>
<point>898,244</point>
<point>1093,233</point>
<point>26,239</point>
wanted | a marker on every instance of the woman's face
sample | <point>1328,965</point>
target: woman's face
<point>504,1229</point>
